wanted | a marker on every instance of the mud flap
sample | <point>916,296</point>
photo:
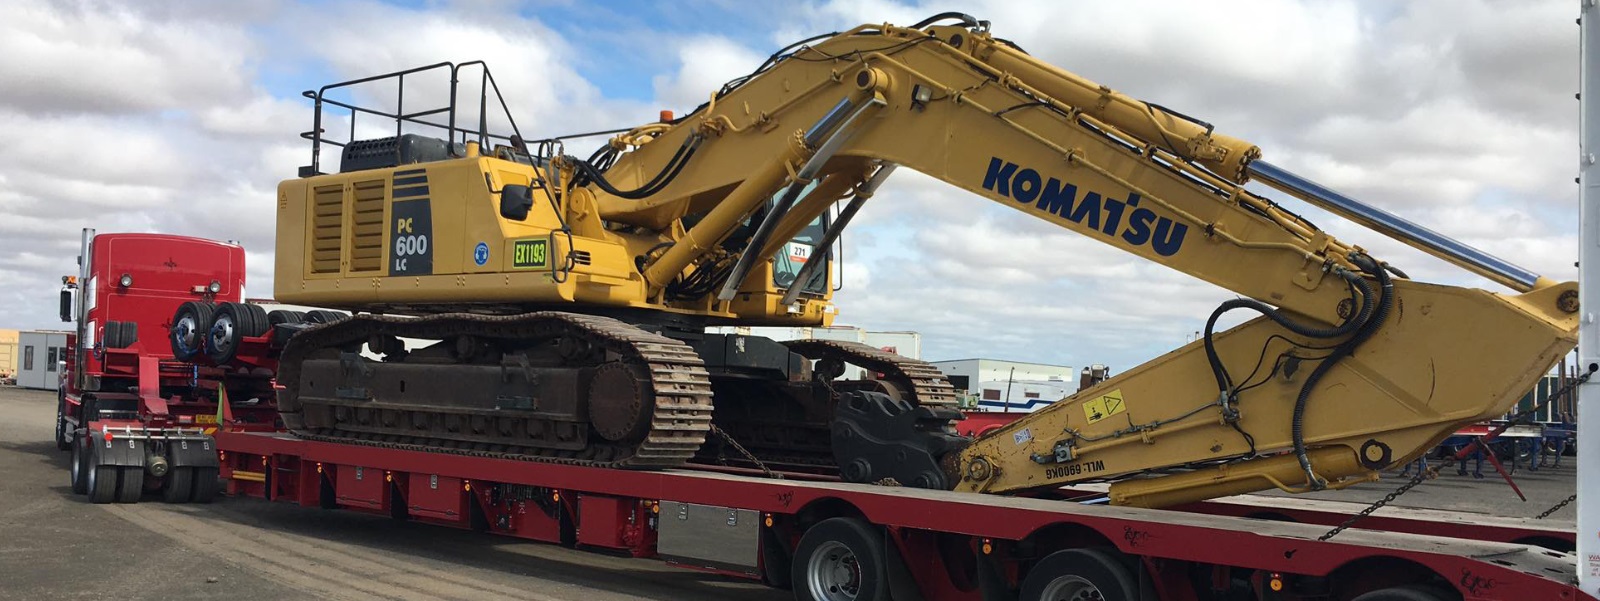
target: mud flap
<point>191,453</point>
<point>121,452</point>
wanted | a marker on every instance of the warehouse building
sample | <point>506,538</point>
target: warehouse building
<point>998,385</point>
<point>42,353</point>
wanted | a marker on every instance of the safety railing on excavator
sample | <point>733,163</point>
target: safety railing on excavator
<point>400,116</point>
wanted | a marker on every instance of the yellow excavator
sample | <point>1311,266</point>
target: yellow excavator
<point>529,303</point>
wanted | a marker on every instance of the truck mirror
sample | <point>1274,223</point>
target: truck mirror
<point>66,305</point>
<point>515,202</point>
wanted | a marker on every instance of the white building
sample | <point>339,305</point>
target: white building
<point>996,385</point>
<point>41,356</point>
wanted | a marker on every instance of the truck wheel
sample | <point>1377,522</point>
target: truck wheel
<point>130,484</point>
<point>1412,592</point>
<point>840,559</point>
<point>325,316</point>
<point>1079,574</point>
<point>206,485</point>
<point>282,316</point>
<point>229,327</point>
<point>179,486</point>
<point>102,480</point>
<point>63,443</point>
<point>189,328</point>
<point>80,465</point>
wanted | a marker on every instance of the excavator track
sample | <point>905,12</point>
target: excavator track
<point>922,383</point>
<point>678,394</point>
<point>792,443</point>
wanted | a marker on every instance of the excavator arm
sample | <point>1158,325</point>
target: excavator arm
<point>1348,368</point>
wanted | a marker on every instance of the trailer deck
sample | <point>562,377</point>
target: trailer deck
<point>595,508</point>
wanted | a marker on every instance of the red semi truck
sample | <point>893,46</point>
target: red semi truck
<point>139,398</point>
<point>169,392</point>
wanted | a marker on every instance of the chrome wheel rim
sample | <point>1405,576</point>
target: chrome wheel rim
<point>833,572</point>
<point>1071,588</point>
<point>222,333</point>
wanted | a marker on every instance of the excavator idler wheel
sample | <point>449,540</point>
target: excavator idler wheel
<point>621,402</point>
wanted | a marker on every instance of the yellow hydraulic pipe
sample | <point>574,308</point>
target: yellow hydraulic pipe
<point>1226,155</point>
<point>721,221</point>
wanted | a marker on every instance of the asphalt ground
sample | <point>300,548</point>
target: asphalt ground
<point>56,545</point>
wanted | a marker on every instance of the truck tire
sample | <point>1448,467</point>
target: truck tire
<point>179,486</point>
<point>130,484</point>
<point>1080,574</point>
<point>1410,592</point>
<point>190,325</point>
<point>325,316</point>
<point>206,485</point>
<point>80,465</point>
<point>283,317</point>
<point>63,443</point>
<point>231,324</point>
<point>102,480</point>
<point>840,559</point>
<point>111,336</point>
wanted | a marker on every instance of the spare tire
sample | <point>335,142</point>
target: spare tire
<point>190,325</point>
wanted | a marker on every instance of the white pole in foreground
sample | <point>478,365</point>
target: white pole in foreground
<point>1589,297</point>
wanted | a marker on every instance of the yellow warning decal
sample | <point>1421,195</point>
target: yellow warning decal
<point>1106,406</point>
<point>205,419</point>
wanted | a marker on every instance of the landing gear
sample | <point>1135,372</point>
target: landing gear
<point>840,559</point>
<point>1080,575</point>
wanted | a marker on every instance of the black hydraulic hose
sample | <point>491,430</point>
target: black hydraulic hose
<point>966,19</point>
<point>665,176</point>
<point>1343,350</point>
<point>1357,287</point>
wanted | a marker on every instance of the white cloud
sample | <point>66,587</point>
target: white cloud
<point>173,117</point>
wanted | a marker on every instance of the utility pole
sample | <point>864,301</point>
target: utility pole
<point>1589,297</point>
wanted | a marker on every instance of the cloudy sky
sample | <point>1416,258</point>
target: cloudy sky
<point>181,117</point>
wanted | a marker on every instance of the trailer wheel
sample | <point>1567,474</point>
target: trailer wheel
<point>229,327</point>
<point>1079,575</point>
<point>282,317</point>
<point>840,559</point>
<point>179,486</point>
<point>80,465</point>
<point>206,485</point>
<point>130,484</point>
<point>102,480</point>
<point>324,316</point>
<point>1412,592</point>
<point>189,328</point>
<point>62,442</point>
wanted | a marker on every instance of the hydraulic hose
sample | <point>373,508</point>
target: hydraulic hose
<point>1343,350</point>
<point>1358,287</point>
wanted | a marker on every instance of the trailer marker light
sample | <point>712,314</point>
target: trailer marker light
<point>388,477</point>
<point>108,435</point>
<point>319,467</point>
<point>263,460</point>
<point>1276,583</point>
<point>655,509</point>
<point>555,496</point>
<point>466,485</point>
<point>768,521</point>
<point>987,547</point>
